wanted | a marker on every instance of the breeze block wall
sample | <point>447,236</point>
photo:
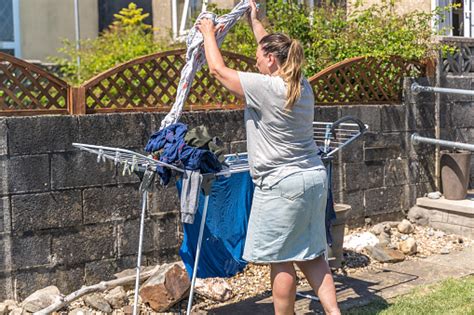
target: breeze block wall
<point>67,220</point>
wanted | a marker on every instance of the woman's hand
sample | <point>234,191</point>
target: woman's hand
<point>207,27</point>
<point>253,13</point>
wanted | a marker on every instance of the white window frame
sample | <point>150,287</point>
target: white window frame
<point>179,33</point>
<point>468,18</point>
<point>16,43</point>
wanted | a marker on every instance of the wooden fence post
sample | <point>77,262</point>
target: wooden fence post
<point>76,100</point>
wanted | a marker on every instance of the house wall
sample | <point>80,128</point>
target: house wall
<point>163,20</point>
<point>401,6</point>
<point>44,23</point>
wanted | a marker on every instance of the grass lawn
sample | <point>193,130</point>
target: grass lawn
<point>453,296</point>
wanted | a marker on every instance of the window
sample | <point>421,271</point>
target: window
<point>184,14</point>
<point>9,27</point>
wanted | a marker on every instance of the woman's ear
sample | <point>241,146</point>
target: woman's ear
<point>271,60</point>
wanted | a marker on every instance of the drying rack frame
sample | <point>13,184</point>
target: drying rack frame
<point>331,137</point>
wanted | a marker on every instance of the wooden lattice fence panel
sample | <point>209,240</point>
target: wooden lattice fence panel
<point>27,89</point>
<point>150,83</point>
<point>363,80</point>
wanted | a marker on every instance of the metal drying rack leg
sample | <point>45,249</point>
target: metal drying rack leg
<point>198,253</point>
<point>139,259</point>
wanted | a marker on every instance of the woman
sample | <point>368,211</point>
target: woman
<point>286,224</point>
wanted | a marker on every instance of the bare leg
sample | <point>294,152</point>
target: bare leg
<point>319,276</point>
<point>283,277</point>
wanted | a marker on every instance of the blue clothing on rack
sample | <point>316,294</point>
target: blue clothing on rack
<point>175,149</point>
<point>225,230</point>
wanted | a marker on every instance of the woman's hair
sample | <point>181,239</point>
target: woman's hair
<point>290,55</point>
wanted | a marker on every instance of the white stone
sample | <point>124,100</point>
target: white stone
<point>358,241</point>
<point>434,195</point>
<point>439,234</point>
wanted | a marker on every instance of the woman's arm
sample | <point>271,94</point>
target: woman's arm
<point>257,27</point>
<point>228,77</point>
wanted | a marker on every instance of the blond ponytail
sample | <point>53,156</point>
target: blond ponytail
<point>290,55</point>
<point>291,73</point>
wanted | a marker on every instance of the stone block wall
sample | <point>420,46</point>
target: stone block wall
<point>381,174</point>
<point>67,220</point>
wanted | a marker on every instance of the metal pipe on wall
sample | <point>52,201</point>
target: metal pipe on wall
<point>416,88</point>
<point>416,138</point>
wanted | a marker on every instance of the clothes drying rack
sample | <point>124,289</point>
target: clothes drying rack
<point>330,138</point>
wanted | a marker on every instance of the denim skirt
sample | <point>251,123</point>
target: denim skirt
<point>287,219</point>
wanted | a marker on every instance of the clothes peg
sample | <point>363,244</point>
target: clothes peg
<point>117,157</point>
<point>100,156</point>
<point>134,163</point>
<point>126,169</point>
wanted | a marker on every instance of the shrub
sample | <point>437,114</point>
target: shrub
<point>127,38</point>
<point>328,35</point>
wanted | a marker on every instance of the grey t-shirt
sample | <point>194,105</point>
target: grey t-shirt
<point>279,142</point>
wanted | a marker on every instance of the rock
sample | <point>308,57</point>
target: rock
<point>381,228</point>
<point>439,234</point>
<point>384,242</point>
<point>444,251</point>
<point>358,241</point>
<point>368,221</point>
<point>167,286</point>
<point>392,224</point>
<point>3,309</point>
<point>11,304</point>
<point>97,302</point>
<point>117,297</point>
<point>405,227</point>
<point>41,299</point>
<point>434,195</point>
<point>418,215</point>
<point>79,311</point>
<point>127,310</point>
<point>18,311</point>
<point>385,255</point>
<point>216,289</point>
<point>377,229</point>
<point>408,246</point>
<point>384,239</point>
